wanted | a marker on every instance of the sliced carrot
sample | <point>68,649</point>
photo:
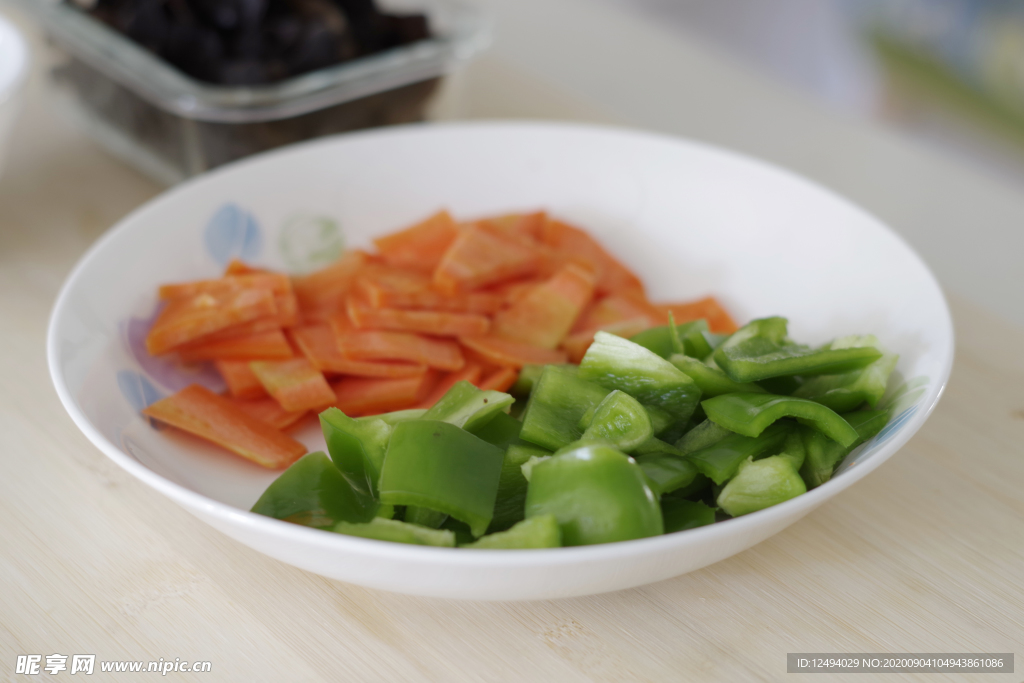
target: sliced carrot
<point>241,380</point>
<point>509,353</point>
<point>480,257</point>
<point>216,418</point>
<point>438,323</point>
<point>512,291</point>
<point>616,308</point>
<point>499,380</point>
<point>470,373</point>
<point>295,383</point>
<point>189,318</point>
<point>612,276</point>
<point>708,308</point>
<point>545,314</point>
<point>319,345</point>
<point>421,246</point>
<point>270,411</point>
<point>378,296</point>
<point>324,291</point>
<point>518,225</point>
<point>239,267</point>
<point>278,283</point>
<point>271,344</point>
<point>371,396</point>
<point>442,354</point>
<point>577,343</point>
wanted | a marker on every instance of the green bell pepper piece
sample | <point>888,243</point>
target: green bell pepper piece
<point>795,448</point>
<point>669,339</point>
<point>357,447</point>
<point>783,385</point>
<point>597,494</point>
<point>511,499</point>
<point>620,422</point>
<point>502,431</point>
<point>692,490</point>
<point>661,419</point>
<point>760,484</point>
<point>529,375</point>
<point>667,471</point>
<point>711,381</point>
<point>536,532</point>
<point>680,515</point>
<point>439,466</point>
<point>468,407</point>
<point>749,414</point>
<point>824,454</point>
<point>398,532</point>
<point>312,492</point>
<point>556,405</point>
<point>722,459</point>
<point>395,417</point>
<point>847,391</point>
<point>703,435</point>
<point>761,350</point>
<point>618,363</point>
<point>421,516</point>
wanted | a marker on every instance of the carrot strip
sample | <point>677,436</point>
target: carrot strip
<point>378,296</point>
<point>277,283</point>
<point>268,410</point>
<point>480,257</point>
<point>370,396</point>
<point>518,226</point>
<point>189,318</point>
<point>295,383</point>
<point>324,291</point>
<point>318,344</point>
<point>499,380</point>
<point>572,242</point>
<point>470,373</point>
<point>201,412</point>
<point>241,380</point>
<point>420,246</point>
<point>616,308</point>
<point>439,323</point>
<point>509,353</point>
<point>262,345</point>
<point>239,267</point>
<point>708,308</point>
<point>545,314</point>
<point>409,346</point>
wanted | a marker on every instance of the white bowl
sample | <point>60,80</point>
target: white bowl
<point>690,219</point>
<point>13,69</point>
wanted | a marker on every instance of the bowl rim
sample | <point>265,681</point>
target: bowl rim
<point>197,503</point>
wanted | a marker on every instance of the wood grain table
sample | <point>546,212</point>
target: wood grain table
<point>925,555</point>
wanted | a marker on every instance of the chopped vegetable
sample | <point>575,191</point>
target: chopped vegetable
<point>397,532</point>
<point>199,411</point>
<point>760,484</point>
<point>537,532</point>
<point>294,383</point>
<point>749,414</point>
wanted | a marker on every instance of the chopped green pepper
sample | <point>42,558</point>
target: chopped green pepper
<point>620,422</point>
<point>537,532</point>
<point>711,381</point>
<point>760,484</point>
<point>703,435</point>
<point>357,447</point>
<point>823,454</point>
<point>669,339</point>
<point>511,498</point>
<point>749,414</point>
<point>395,417</point>
<point>313,492</point>
<point>597,494</point>
<point>761,350</point>
<point>432,519</point>
<point>680,515</point>
<point>398,532</point>
<point>556,405</point>
<point>722,459</point>
<point>618,363</point>
<point>502,431</point>
<point>439,466</point>
<point>468,407</point>
<point>667,471</point>
<point>845,392</point>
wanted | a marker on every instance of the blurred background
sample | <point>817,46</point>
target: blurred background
<point>914,109</point>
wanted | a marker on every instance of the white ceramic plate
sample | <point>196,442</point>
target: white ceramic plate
<point>690,219</point>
